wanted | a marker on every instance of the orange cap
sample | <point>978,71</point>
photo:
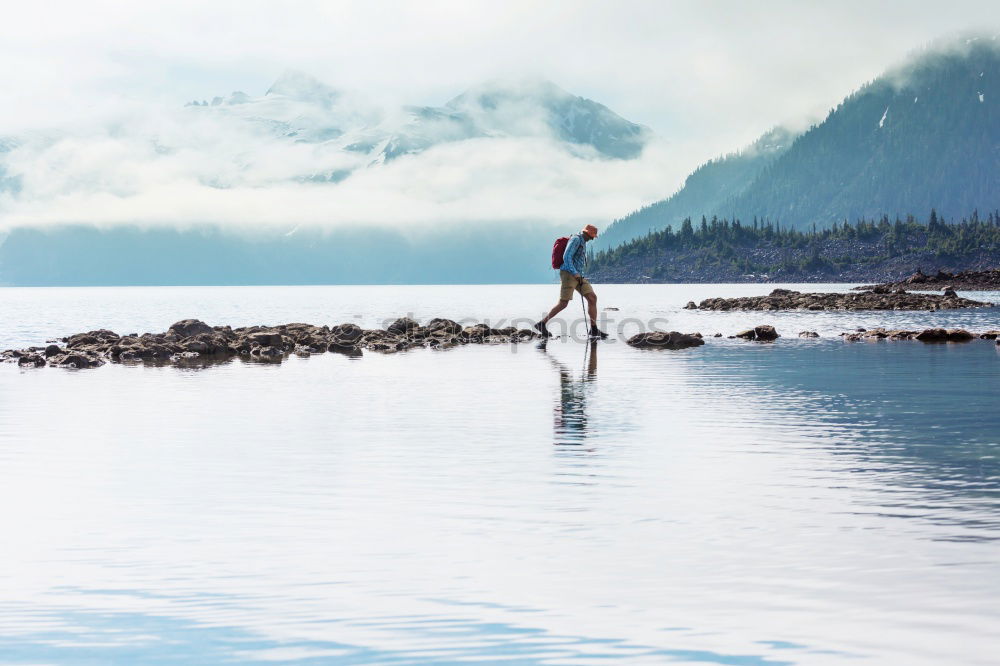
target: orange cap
<point>591,231</point>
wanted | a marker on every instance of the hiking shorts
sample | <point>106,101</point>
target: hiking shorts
<point>568,283</point>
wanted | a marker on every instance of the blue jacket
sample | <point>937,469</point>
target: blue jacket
<point>574,255</point>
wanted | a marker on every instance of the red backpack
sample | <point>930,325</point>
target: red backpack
<point>558,250</point>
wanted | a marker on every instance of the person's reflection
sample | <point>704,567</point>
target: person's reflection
<point>569,415</point>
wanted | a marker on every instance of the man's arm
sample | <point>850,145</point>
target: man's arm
<point>571,248</point>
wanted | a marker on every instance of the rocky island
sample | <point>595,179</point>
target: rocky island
<point>988,280</point>
<point>882,299</point>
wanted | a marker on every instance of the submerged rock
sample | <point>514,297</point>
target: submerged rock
<point>808,334</point>
<point>762,333</point>
<point>76,360</point>
<point>666,340</point>
<point>32,361</point>
<point>926,335</point>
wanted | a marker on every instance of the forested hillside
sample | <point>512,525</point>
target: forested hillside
<point>706,189</point>
<point>720,250</point>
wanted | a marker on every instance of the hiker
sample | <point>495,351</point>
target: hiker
<point>571,279</point>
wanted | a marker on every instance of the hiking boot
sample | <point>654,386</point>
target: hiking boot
<point>543,329</point>
<point>597,333</point>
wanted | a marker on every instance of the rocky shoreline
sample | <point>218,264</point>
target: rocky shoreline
<point>192,341</point>
<point>767,333</point>
<point>882,299</point>
<point>988,280</point>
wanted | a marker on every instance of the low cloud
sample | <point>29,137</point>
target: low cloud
<point>195,166</point>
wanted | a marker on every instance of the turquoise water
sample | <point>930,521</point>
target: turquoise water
<point>802,502</point>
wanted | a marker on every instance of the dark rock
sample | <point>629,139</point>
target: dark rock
<point>762,333</point>
<point>32,361</point>
<point>80,340</point>
<point>665,340</point>
<point>477,333</point>
<point>265,338</point>
<point>990,335</point>
<point>949,292</point>
<point>151,351</point>
<point>403,326</point>
<point>808,334</point>
<point>75,360</point>
<point>444,326</point>
<point>345,335</point>
<point>208,344</point>
<point>187,328</point>
<point>933,335</point>
<point>195,346</point>
<point>942,335</point>
<point>267,351</point>
<point>691,305</point>
<point>52,350</point>
<point>959,335</point>
<point>717,335</point>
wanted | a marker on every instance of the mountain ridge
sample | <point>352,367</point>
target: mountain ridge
<point>496,108</point>
<point>925,134</point>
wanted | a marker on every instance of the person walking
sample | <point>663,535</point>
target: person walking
<point>571,279</point>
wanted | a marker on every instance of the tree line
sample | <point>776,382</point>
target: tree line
<point>730,242</point>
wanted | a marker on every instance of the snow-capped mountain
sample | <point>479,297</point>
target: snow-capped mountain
<point>301,108</point>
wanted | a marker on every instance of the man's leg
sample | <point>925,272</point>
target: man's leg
<point>567,283</point>
<point>559,307</point>
<point>588,293</point>
<point>592,308</point>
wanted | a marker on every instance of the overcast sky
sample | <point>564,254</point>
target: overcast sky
<point>707,76</point>
<point>719,70</point>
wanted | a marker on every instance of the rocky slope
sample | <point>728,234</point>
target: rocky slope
<point>988,280</point>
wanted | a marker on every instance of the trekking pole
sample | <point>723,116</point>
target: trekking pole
<point>583,306</point>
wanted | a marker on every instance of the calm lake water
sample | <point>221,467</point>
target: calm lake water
<point>802,502</point>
